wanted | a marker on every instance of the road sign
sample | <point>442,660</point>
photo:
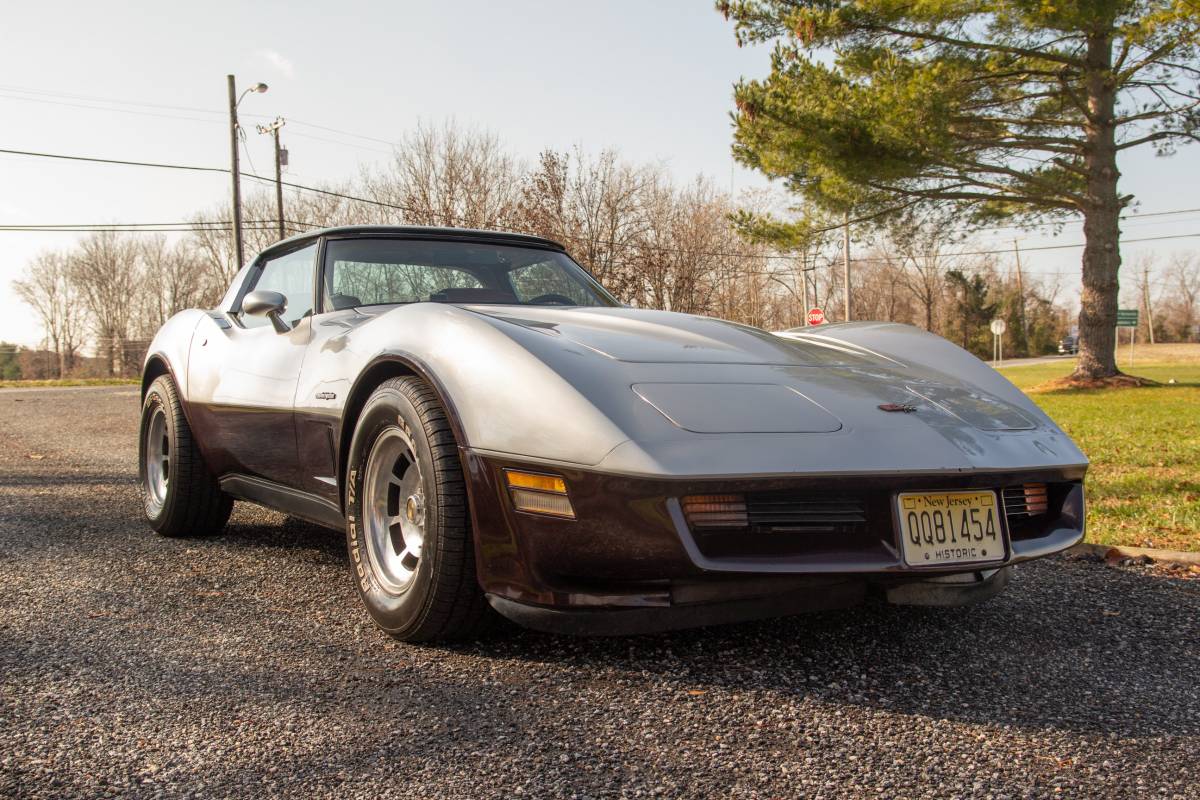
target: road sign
<point>1127,317</point>
<point>998,327</point>
<point>816,316</point>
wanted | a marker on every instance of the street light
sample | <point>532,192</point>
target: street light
<point>258,87</point>
<point>235,171</point>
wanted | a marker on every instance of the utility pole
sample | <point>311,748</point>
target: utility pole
<point>273,129</point>
<point>804,277</point>
<point>235,173</point>
<point>846,261</point>
<point>1020,296</point>
<point>1146,300</point>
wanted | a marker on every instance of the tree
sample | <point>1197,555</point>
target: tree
<point>173,277</point>
<point>973,312</point>
<point>448,175</point>
<point>10,364</point>
<point>921,242</point>
<point>48,290</point>
<point>105,272</point>
<point>1184,307</point>
<point>1009,107</point>
<point>594,204</point>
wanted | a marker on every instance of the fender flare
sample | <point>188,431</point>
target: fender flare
<point>386,365</point>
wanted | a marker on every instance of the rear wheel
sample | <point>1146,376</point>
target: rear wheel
<point>179,495</point>
<point>408,528</point>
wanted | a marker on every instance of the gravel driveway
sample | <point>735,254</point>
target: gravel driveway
<point>137,666</point>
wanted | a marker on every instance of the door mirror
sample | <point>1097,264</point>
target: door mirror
<point>264,303</point>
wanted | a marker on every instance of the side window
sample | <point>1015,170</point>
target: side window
<point>291,275</point>
<point>546,278</point>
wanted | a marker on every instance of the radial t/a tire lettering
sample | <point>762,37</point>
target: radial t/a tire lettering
<point>408,528</point>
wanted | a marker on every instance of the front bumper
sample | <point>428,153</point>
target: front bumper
<point>630,549</point>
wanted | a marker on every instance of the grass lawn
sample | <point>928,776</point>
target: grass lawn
<point>51,384</point>
<point>1144,444</point>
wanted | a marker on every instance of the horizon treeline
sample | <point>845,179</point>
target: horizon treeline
<point>653,241</point>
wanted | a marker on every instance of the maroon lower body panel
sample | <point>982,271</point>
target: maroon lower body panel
<point>630,547</point>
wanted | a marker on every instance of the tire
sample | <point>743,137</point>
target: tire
<point>408,527</point>
<point>179,495</point>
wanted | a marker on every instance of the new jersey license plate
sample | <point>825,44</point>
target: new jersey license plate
<point>939,528</point>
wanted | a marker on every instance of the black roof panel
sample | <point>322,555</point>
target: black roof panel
<point>420,232</point>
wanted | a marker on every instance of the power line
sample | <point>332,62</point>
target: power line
<point>205,222</point>
<point>113,161</point>
<point>93,98</point>
<point>655,248</point>
<point>102,108</point>
<point>193,109</point>
<point>392,143</point>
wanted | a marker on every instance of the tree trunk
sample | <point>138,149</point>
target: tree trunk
<point>1101,221</point>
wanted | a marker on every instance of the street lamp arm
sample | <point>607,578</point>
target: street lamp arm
<point>258,87</point>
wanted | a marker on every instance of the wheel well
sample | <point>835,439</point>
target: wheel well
<point>367,383</point>
<point>155,369</point>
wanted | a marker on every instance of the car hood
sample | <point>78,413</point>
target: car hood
<point>638,391</point>
<point>634,335</point>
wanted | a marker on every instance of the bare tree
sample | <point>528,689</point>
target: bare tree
<point>447,175</point>
<point>105,273</point>
<point>172,277</point>
<point>594,205</point>
<point>1183,310</point>
<point>48,290</point>
<point>882,292</point>
<point>921,244</point>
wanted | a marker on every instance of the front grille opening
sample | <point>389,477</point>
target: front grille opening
<point>1031,508</point>
<point>778,524</point>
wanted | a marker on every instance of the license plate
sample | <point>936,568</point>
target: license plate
<point>949,528</point>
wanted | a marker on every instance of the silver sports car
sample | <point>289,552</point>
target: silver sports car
<point>494,432</point>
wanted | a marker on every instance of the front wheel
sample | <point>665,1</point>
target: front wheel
<point>408,528</point>
<point>179,495</point>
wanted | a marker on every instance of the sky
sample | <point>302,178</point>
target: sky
<point>650,79</point>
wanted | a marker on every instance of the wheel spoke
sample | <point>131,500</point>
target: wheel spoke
<point>409,560</point>
<point>156,464</point>
<point>393,507</point>
<point>396,534</point>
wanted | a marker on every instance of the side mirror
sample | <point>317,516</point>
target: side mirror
<point>264,303</point>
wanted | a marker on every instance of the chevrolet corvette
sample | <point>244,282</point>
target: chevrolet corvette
<point>494,432</point>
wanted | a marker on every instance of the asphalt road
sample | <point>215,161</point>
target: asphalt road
<point>1025,362</point>
<point>137,666</point>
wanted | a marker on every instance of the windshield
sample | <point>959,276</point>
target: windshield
<point>369,272</point>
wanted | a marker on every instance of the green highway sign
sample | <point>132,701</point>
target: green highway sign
<point>1127,317</point>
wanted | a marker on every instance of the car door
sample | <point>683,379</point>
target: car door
<point>243,374</point>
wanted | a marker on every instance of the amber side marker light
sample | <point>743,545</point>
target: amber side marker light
<point>715,510</point>
<point>539,494</point>
<point>1036,499</point>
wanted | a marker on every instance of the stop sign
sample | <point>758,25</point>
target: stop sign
<point>816,316</point>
